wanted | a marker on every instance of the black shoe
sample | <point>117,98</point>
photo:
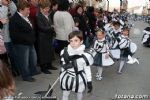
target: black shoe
<point>52,68</point>
<point>29,79</point>
<point>46,72</point>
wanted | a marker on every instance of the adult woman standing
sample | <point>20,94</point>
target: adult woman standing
<point>45,36</point>
<point>23,38</point>
<point>63,24</point>
<point>82,22</point>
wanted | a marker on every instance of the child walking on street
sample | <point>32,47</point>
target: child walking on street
<point>75,67</point>
<point>127,48</point>
<point>102,57</point>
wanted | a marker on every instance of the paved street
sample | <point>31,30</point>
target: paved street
<point>134,80</point>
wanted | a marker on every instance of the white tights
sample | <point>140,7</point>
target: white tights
<point>100,70</point>
<point>121,65</point>
<point>67,93</point>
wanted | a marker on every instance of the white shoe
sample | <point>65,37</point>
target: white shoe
<point>99,78</point>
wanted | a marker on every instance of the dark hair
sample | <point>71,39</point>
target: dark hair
<point>78,34</point>
<point>22,4</point>
<point>90,9</point>
<point>116,23</point>
<point>63,5</point>
<point>53,3</point>
<point>44,3</point>
<point>7,84</point>
<point>79,6</point>
<point>76,20</point>
<point>125,29</point>
<point>1,25</point>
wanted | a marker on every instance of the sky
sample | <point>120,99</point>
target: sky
<point>131,3</point>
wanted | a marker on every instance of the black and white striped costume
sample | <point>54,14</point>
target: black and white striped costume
<point>114,34</point>
<point>119,47</point>
<point>102,49</point>
<point>108,29</point>
<point>146,37</point>
<point>124,45</point>
<point>76,78</point>
<point>73,1</point>
<point>127,48</point>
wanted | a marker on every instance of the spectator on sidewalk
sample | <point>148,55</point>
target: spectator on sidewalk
<point>32,18</point>
<point>45,37</point>
<point>7,10</point>
<point>23,38</point>
<point>63,25</point>
<point>54,8</point>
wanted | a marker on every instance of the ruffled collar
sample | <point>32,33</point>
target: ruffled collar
<point>124,36</point>
<point>78,51</point>
<point>101,40</point>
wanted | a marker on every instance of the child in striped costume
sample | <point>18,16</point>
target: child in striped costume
<point>75,67</point>
<point>127,48</point>
<point>146,37</point>
<point>102,57</point>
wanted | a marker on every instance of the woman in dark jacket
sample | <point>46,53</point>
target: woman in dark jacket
<point>82,23</point>
<point>45,37</point>
<point>92,19</point>
<point>23,37</point>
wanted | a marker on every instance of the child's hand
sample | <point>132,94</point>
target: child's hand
<point>107,56</point>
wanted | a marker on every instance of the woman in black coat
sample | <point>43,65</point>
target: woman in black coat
<point>82,23</point>
<point>45,37</point>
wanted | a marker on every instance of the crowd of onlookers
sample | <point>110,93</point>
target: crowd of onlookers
<point>32,30</point>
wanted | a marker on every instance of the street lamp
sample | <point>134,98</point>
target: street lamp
<point>120,5</point>
<point>107,5</point>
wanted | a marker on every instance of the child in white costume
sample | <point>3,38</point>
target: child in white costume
<point>146,37</point>
<point>75,67</point>
<point>102,57</point>
<point>127,48</point>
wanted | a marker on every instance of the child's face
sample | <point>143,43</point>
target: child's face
<point>116,27</point>
<point>75,42</point>
<point>100,35</point>
<point>125,32</point>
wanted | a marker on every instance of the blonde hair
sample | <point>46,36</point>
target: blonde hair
<point>100,30</point>
<point>44,3</point>
<point>22,4</point>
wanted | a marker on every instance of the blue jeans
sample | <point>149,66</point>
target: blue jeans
<point>11,55</point>
<point>26,60</point>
